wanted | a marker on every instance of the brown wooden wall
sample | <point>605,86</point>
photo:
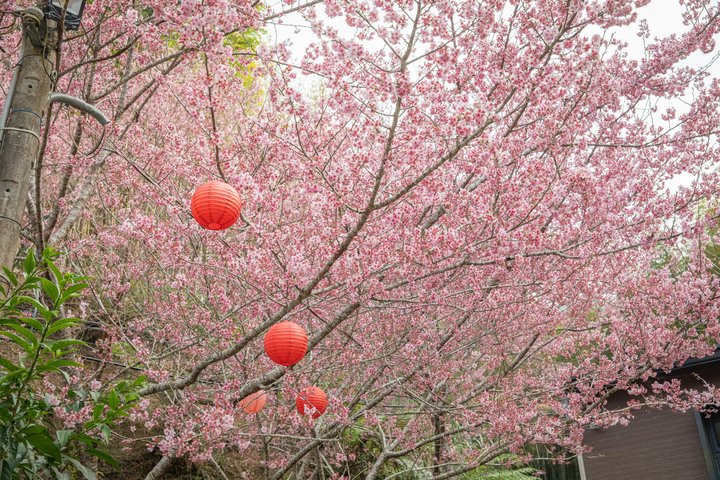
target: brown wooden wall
<point>656,445</point>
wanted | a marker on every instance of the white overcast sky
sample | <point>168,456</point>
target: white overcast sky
<point>664,18</point>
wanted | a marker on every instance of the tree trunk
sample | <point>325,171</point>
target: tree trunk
<point>438,421</point>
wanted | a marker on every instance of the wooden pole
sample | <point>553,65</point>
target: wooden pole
<point>21,140</point>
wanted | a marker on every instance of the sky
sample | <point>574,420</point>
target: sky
<point>664,18</point>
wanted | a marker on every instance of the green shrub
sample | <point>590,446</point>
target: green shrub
<point>30,447</point>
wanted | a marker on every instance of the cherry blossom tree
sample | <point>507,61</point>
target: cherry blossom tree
<point>468,212</point>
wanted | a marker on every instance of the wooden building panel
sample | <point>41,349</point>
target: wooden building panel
<point>656,445</point>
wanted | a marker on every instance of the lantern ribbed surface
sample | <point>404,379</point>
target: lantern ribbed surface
<point>254,402</point>
<point>286,343</point>
<point>215,205</point>
<point>309,398</point>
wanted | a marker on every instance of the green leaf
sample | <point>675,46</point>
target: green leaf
<point>86,439</point>
<point>59,276</point>
<point>19,452</point>
<point>11,376</point>
<point>48,399</point>
<point>31,301</point>
<point>67,352</point>
<point>64,363</point>
<point>105,432</point>
<point>48,315</point>
<point>25,333</point>
<point>5,471</point>
<point>63,436</point>
<point>139,381</point>
<point>82,394</point>
<point>11,367</point>
<point>29,263</point>
<point>6,322</point>
<point>10,276</point>
<point>60,475</point>
<point>98,411</point>
<point>70,291</point>
<point>103,456</point>
<point>25,345</point>
<point>33,323</point>
<point>62,323</point>
<point>44,445</point>
<point>87,473</point>
<point>113,400</point>
<point>54,365</point>
<point>66,375</point>
<point>51,289</point>
<point>34,429</point>
<point>58,345</point>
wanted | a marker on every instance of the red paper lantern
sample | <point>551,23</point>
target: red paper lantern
<point>215,205</point>
<point>254,402</point>
<point>286,343</point>
<point>312,397</point>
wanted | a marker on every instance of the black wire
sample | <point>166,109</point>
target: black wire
<point>53,78</point>
<point>99,144</point>
<point>25,56</point>
<point>12,220</point>
<point>49,75</point>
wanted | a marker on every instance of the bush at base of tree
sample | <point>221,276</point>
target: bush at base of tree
<point>31,318</point>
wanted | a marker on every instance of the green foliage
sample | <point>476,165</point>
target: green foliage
<point>248,39</point>
<point>536,469</point>
<point>501,473</point>
<point>30,447</point>
<point>504,467</point>
<point>673,259</point>
<point>554,462</point>
<point>363,445</point>
<point>712,252</point>
<point>240,42</point>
